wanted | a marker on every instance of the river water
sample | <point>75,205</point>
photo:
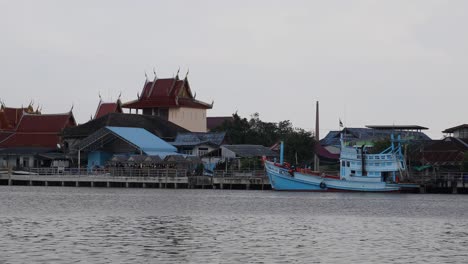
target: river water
<point>107,225</point>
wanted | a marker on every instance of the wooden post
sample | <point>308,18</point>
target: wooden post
<point>79,161</point>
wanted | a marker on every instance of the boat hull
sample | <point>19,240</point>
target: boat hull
<point>282,180</point>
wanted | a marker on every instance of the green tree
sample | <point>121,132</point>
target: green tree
<point>256,132</point>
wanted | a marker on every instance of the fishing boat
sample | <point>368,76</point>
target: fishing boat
<point>359,171</point>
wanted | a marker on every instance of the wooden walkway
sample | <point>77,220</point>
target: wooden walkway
<point>180,179</point>
<point>162,179</point>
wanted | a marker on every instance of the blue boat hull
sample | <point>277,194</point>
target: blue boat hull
<point>282,180</point>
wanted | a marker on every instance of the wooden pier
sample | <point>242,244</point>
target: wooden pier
<point>442,182</point>
<point>451,183</point>
<point>164,179</point>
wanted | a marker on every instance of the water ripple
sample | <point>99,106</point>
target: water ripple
<point>86,225</point>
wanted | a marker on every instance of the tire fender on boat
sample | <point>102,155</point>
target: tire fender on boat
<point>323,185</point>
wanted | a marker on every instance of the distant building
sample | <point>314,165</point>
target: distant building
<point>445,154</point>
<point>233,154</point>
<point>29,138</point>
<point>460,131</point>
<point>371,134</point>
<point>198,143</point>
<point>171,99</point>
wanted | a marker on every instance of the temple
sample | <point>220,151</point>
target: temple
<point>26,133</point>
<point>172,100</point>
<point>105,108</point>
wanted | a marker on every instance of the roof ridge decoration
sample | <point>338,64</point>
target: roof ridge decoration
<point>152,86</point>
<point>174,81</point>
<point>189,90</point>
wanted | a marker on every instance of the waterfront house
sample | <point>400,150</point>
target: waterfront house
<point>99,147</point>
<point>236,154</point>
<point>199,143</point>
<point>171,99</point>
<point>154,124</point>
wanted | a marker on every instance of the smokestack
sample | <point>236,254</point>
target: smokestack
<point>317,124</point>
<point>317,137</point>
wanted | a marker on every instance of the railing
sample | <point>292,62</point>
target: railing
<point>113,172</point>
<point>239,173</point>
<point>138,172</point>
<point>423,178</point>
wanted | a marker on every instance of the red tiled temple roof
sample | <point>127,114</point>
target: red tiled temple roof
<point>170,92</point>
<point>13,115</point>
<point>4,135</point>
<point>45,123</point>
<point>107,108</point>
<point>324,153</point>
<point>4,123</point>
<point>31,140</point>
<point>37,130</point>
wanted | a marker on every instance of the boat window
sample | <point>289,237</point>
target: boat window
<point>347,164</point>
<point>371,157</point>
<point>377,157</point>
<point>353,172</point>
<point>389,164</point>
<point>389,156</point>
<point>343,163</point>
<point>358,156</point>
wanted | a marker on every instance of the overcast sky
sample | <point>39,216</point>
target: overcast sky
<point>367,62</point>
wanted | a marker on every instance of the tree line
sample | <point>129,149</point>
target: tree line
<point>298,142</point>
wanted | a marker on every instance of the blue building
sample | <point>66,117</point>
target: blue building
<point>99,147</point>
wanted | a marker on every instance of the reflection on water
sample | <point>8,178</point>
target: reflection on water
<point>92,225</point>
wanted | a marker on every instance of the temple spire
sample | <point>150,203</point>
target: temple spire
<point>152,85</point>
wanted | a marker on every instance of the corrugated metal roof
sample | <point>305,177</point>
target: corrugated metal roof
<point>143,139</point>
<point>368,134</point>
<point>198,138</point>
